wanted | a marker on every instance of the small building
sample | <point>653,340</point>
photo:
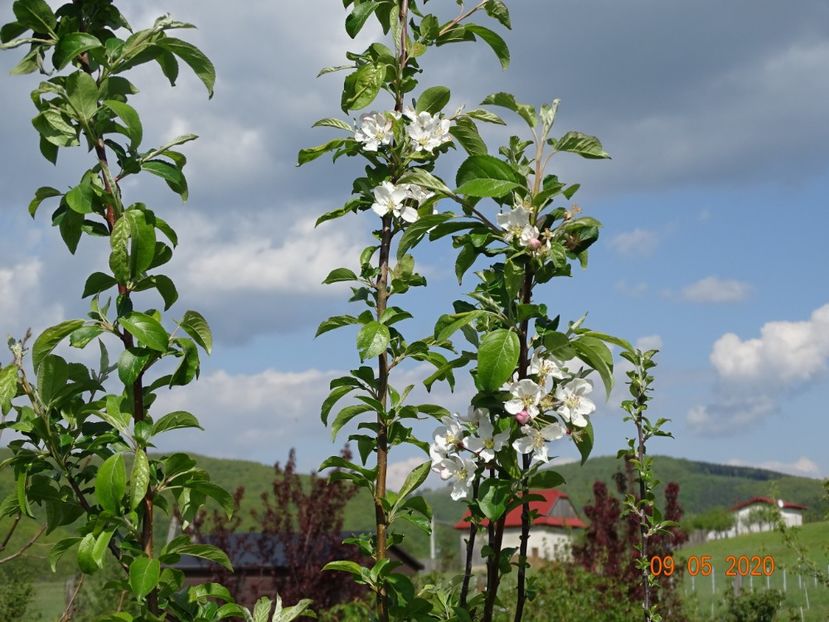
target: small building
<point>551,534</point>
<point>760,514</point>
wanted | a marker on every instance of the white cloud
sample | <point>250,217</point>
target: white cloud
<point>640,242</point>
<point>731,414</point>
<point>785,354</point>
<point>649,342</point>
<point>217,261</point>
<point>713,289</point>
<point>398,471</point>
<point>23,303</point>
<point>634,290</point>
<point>803,466</point>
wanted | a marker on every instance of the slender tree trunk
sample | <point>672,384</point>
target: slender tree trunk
<point>470,550</point>
<point>643,528</point>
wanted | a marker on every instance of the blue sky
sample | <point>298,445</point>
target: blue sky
<point>713,204</point>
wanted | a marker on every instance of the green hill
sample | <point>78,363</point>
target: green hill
<point>800,592</point>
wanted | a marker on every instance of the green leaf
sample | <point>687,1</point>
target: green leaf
<point>362,86</point>
<point>494,40</point>
<point>332,323</point>
<point>497,359</point>
<point>55,129</point>
<point>195,58</point>
<point>119,257</point>
<point>86,560</point>
<point>581,144</point>
<point>262,609</point>
<point>497,9</point>
<point>50,338</point>
<point>79,198</point>
<point>339,275</point>
<point>131,364</point>
<point>72,45</point>
<point>447,325</point>
<point>59,550</point>
<point>344,566</point>
<point>289,614</point>
<point>52,375</point>
<point>331,122</point>
<point>416,230</point>
<point>170,173</point>
<point>479,114</point>
<point>205,551</point>
<point>414,479</point>
<point>111,483</point>
<point>486,176</point>
<point>142,241</point>
<point>426,180</point>
<point>507,100</point>
<point>433,100</point>
<point>197,327</point>
<point>597,355</point>
<point>144,575</point>
<point>127,114</point>
<point>466,133</point>
<point>493,498</point>
<point>546,479</point>
<point>35,15</point>
<point>355,20</point>
<point>41,195</point>
<point>147,330</point>
<point>373,339</point>
<point>85,334</point>
<point>8,386</point>
<point>312,153</point>
<point>583,438</point>
<point>337,393</point>
<point>140,478</point>
<point>177,420</point>
<point>345,415</point>
<point>82,93</point>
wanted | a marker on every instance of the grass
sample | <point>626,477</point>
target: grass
<point>813,536</point>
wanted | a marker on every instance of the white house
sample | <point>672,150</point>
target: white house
<point>758,514</point>
<point>551,533</point>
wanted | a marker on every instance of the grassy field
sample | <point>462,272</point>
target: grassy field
<point>813,536</point>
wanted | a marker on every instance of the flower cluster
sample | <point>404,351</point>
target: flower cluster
<point>518,228</point>
<point>463,444</point>
<point>392,199</point>
<point>549,394</point>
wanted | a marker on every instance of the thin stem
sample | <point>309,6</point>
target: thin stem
<point>25,547</point>
<point>461,17</point>
<point>67,613</point>
<point>493,576</point>
<point>643,528</point>
<point>470,549</point>
<point>9,535</point>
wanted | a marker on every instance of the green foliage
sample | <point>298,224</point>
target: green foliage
<point>16,593</point>
<point>759,606</point>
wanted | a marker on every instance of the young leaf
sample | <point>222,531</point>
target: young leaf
<point>144,575</point>
<point>581,144</point>
<point>372,340</point>
<point>140,478</point>
<point>497,359</point>
<point>433,100</point>
<point>147,330</point>
<point>111,483</point>
<point>194,57</point>
<point>196,326</point>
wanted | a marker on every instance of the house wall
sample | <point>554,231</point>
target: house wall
<point>791,517</point>
<point>544,543</point>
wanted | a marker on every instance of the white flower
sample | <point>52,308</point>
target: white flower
<point>427,132</point>
<point>535,441</point>
<point>375,130</point>
<point>418,193</point>
<point>485,443</point>
<point>575,406</point>
<point>528,234</point>
<point>526,395</point>
<point>547,369</point>
<point>388,199</point>
<point>461,471</point>
<point>475,415</point>
<point>514,223</point>
<point>449,436</point>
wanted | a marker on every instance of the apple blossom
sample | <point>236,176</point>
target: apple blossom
<point>461,471</point>
<point>426,131</point>
<point>535,441</point>
<point>375,130</point>
<point>526,396</point>
<point>485,443</point>
<point>574,403</point>
<point>389,199</point>
<point>546,369</point>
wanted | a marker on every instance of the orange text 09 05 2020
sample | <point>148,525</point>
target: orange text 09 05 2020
<point>736,565</point>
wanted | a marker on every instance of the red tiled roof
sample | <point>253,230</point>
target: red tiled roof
<point>543,508</point>
<point>768,501</point>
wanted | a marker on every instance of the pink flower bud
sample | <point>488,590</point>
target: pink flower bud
<point>534,244</point>
<point>522,418</point>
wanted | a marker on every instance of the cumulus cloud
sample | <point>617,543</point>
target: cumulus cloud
<point>398,471</point>
<point>785,354</point>
<point>803,466</point>
<point>713,289</point>
<point>754,374</point>
<point>631,289</point>
<point>641,242</point>
<point>23,303</point>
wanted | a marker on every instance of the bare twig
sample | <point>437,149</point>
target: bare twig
<point>25,547</point>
